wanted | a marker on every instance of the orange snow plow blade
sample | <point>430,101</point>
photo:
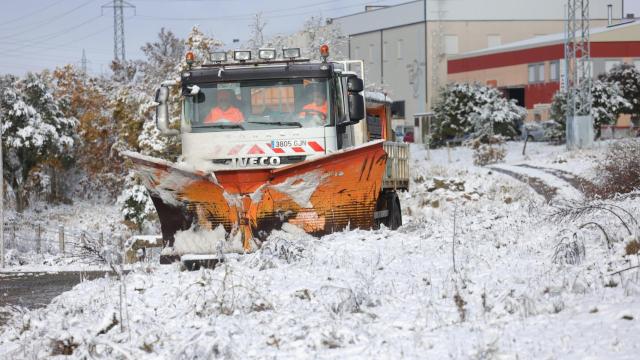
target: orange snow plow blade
<point>319,196</point>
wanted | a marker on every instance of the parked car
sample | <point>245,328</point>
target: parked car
<point>408,137</point>
<point>538,131</point>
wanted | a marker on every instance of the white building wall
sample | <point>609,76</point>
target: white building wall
<point>466,25</point>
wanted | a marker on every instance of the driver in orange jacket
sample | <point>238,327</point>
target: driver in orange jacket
<point>318,104</point>
<point>224,109</point>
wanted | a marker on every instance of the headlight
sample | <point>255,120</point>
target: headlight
<point>242,55</point>
<point>291,53</point>
<point>267,54</point>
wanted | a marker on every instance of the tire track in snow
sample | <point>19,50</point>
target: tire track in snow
<point>579,183</point>
<point>546,183</point>
<point>539,186</point>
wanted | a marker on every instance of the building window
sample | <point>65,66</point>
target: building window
<point>609,64</point>
<point>541,72</point>
<point>399,45</point>
<point>494,40</point>
<point>397,109</point>
<point>451,44</point>
<point>554,71</point>
<point>536,73</point>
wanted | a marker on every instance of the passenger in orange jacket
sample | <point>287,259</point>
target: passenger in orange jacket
<point>224,109</point>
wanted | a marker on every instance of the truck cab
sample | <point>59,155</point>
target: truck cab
<point>267,113</point>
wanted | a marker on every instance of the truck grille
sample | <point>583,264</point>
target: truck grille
<point>284,160</point>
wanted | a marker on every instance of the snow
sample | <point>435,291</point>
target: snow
<point>203,241</point>
<point>301,187</point>
<point>470,274</point>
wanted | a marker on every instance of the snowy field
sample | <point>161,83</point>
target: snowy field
<point>478,271</point>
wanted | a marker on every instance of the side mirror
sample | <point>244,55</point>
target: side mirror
<point>354,84</point>
<point>356,107</point>
<point>162,112</point>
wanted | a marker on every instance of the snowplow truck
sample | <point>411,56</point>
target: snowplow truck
<point>272,141</point>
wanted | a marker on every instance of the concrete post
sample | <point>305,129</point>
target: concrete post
<point>61,238</point>
<point>38,239</point>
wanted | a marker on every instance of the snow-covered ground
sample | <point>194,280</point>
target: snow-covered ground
<point>477,271</point>
<point>94,219</point>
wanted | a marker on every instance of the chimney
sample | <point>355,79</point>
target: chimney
<point>609,14</point>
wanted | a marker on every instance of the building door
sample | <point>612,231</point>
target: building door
<point>515,93</point>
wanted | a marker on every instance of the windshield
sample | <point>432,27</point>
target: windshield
<point>256,105</point>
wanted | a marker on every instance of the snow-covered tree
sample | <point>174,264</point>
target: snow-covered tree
<point>86,99</point>
<point>163,58</point>
<point>318,33</point>
<point>627,77</point>
<point>475,109</point>
<point>608,103</point>
<point>137,207</point>
<point>201,45</point>
<point>37,136</point>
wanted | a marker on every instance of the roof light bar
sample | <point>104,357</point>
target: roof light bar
<point>242,55</point>
<point>218,56</point>
<point>267,54</point>
<point>291,53</point>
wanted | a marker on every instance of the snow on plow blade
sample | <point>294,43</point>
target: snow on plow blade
<point>319,196</point>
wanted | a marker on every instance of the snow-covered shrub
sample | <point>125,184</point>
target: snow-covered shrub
<point>619,171</point>
<point>608,102</point>
<point>627,77</point>
<point>35,132</point>
<point>490,152</point>
<point>137,207</point>
<point>475,109</point>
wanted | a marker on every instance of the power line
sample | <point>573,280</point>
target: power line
<point>38,25</point>
<point>248,16</point>
<point>54,35</point>
<point>31,13</point>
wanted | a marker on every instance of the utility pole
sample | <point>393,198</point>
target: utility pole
<point>83,63</point>
<point>1,203</point>
<point>577,56</point>
<point>118,27</point>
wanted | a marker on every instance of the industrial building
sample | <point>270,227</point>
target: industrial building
<point>530,71</point>
<point>392,40</point>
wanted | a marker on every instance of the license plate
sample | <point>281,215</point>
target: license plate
<point>287,143</point>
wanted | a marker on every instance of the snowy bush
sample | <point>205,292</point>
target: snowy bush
<point>619,171</point>
<point>36,134</point>
<point>137,207</point>
<point>608,103</point>
<point>491,152</point>
<point>627,77</point>
<point>475,109</point>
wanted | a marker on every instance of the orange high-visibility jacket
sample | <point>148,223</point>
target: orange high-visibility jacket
<point>232,114</point>
<point>313,106</point>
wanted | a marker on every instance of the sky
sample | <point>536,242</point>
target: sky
<point>39,34</point>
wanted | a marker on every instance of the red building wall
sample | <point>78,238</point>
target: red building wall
<point>540,93</point>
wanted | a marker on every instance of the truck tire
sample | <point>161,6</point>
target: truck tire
<point>395,212</point>
<point>389,201</point>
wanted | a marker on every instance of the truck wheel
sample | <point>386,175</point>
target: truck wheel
<point>395,212</point>
<point>389,201</point>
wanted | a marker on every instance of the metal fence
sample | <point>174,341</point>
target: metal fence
<point>43,238</point>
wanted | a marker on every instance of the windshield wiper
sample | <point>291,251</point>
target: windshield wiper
<point>225,126</point>
<point>282,123</point>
